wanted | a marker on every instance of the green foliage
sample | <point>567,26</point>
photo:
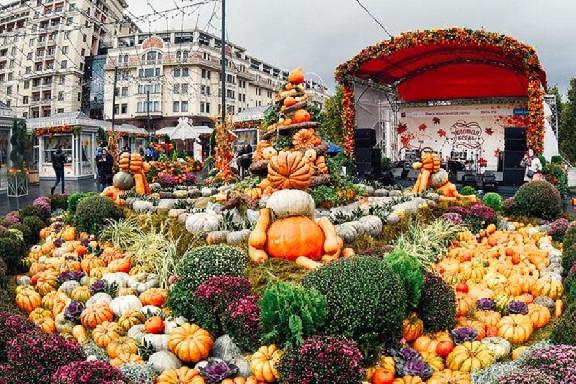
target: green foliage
<point>564,331</point>
<point>538,199</point>
<point>569,237</point>
<point>289,313</point>
<point>75,198</point>
<point>366,300</point>
<point>93,213</point>
<point>59,202</point>
<point>102,137</point>
<point>566,131</point>
<point>35,224</point>
<point>33,211</point>
<point>331,125</point>
<point>324,194</point>
<point>12,250</point>
<point>19,140</point>
<point>468,190</point>
<point>183,303</point>
<point>30,237</point>
<point>437,307</point>
<point>198,264</point>
<point>410,271</point>
<point>556,175</point>
<point>335,165</point>
<point>570,288</point>
<point>282,143</point>
<point>271,115</point>
<point>493,200</point>
<point>568,257</point>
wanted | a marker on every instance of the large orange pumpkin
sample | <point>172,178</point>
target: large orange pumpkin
<point>515,328</point>
<point>28,300</point>
<point>190,343</point>
<point>95,315</point>
<point>289,170</point>
<point>183,375</point>
<point>263,363</point>
<point>154,296</point>
<point>295,236</point>
<point>539,314</point>
<point>469,357</point>
<point>301,116</point>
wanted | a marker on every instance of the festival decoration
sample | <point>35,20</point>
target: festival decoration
<point>224,152</point>
<point>130,165</point>
<point>510,46</point>
<point>61,129</point>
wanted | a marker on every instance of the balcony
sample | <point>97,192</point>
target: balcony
<point>144,115</point>
<point>45,101</point>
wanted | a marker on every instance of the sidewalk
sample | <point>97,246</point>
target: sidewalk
<point>9,204</point>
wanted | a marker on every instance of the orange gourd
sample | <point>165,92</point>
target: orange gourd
<point>488,318</point>
<point>154,296</point>
<point>289,170</point>
<point>539,315</point>
<point>412,327</point>
<point>428,343</point>
<point>190,343</point>
<point>103,334</point>
<point>408,380</point>
<point>469,357</point>
<point>433,360</point>
<point>382,376</point>
<point>263,363</point>
<point>126,358</point>
<point>120,265</point>
<point>131,318</point>
<point>517,329</point>
<point>301,116</point>
<point>291,237</point>
<point>122,345</point>
<point>183,375</point>
<point>91,262</point>
<point>296,76</point>
<point>96,314</point>
<point>448,376</point>
<point>28,300</point>
<point>306,138</point>
<point>46,281</point>
<point>154,324</point>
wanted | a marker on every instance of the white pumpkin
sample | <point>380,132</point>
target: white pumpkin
<point>347,232</point>
<point>23,280</point>
<point>237,237</point>
<point>371,225</point>
<point>62,325</point>
<point>171,324</point>
<point>202,222</point>
<point>499,346</point>
<point>99,298</point>
<point>123,304</point>
<point>120,278</point>
<point>142,206</point>
<point>150,310</point>
<point>291,202</point>
<point>142,281</point>
<point>137,332</point>
<point>68,286</point>
<point>58,252</point>
<point>163,360</point>
<point>158,342</point>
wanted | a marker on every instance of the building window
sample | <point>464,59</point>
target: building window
<point>124,91</point>
<point>176,89</point>
<point>60,96</point>
<point>185,72</point>
<point>269,94</point>
<point>204,107</point>
<point>9,90</point>
<point>176,106</point>
<point>230,79</point>
<point>116,91</point>
<point>25,100</point>
<point>79,96</point>
<point>29,56</point>
<point>206,74</point>
<point>206,56</point>
<point>26,84</point>
<point>116,109</point>
<point>60,110</point>
<point>205,90</point>
<point>184,89</point>
<point>124,108</point>
<point>64,64</point>
<point>62,78</point>
<point>177,72</point>
<point>149,72</point>
<point>230,94</point>
<point>184,106</point>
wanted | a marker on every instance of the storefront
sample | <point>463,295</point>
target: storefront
<point>6,120</point>
<point>76,135</point>
<point>246,127</point>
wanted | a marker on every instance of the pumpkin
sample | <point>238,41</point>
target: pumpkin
<point>122,304</point>
<point>96,314</point>
<point>126,358</point>
<point>295,236</point>
<point>81,294</point>
<point>408,380</point>
<point>434,361</point>
<point>190,343</point>
<point>183,375</point>
<point>443,348</point>
<point>123,181</point>
<point>517,329</point>
<point>125,291</point>
<point>154,296</point>
<point>157,342</point>
<point>412,327</point>
<point>517,352</point>
<point>301,116</point>
<point>99,298</point>
<point>448,376</point>
<point>539,315</point>
<point>289,170</point>
<point>464,304</point>
<point>39,313</point>
<point>91,262</point>
<point>202,222</point>
<point>382,376</point>
<point>80,334</point>
<point>60,304</point>
<point>499,347</point>
<point>488,318</point>
<point>120,265</point>
<point>548,287</point>
<point>122,345</point>
<point>47,324</point>
<point>49,300</point>
<point>103,334</point>
<point>263,363</point>
<point>154,324</point>
<point>291,202</point>
<point>28,300</point>
<point>69,233</point>
<point>306,138</point>
<point>258,237</point>
<point>469,357</point>
<point>428,343</point>
<point>296,76</point>
<point>131,318</point>
<point>46,281</point>
<point>68,286</point>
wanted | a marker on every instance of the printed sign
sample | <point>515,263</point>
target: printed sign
<point>466,135</point>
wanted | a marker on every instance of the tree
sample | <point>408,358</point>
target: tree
<point>331,118</point>
<point>19,142</point>
<point>567,127</point>
<point>556,92</point>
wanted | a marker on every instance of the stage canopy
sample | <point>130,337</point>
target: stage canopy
<point>448,64</point>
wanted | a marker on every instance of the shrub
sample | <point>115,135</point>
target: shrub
<point>564,331</point>
<point>570,287</point>
<point>568,257</point>
<point>468,190</point>
<point>366,300</point>
<point>556,361</point>
<point>509,206</point>
<point>139,373</point>
<point>13,251</point>
<point>289,313</point>
<point>321,360</point>
<point>11,218</point>
<point>557,229</point>
<point>12,325</point>
<point>493,200</point>
<point>569,237</point>
<point>92,213</point>
<point>30,238</point>
<point>33,358</point>
<point>453,218</point>
<point>218,292</point>
<point>437,307</point>
<point>33,211</point>
<point>59,202</point>
<point>183,303</point>
<point>43,204</point>
<point>88,372</point>
<point>35,224</point>
<point>75,198</point>
<point>538,199</point>
<point>3,274</point>
<point>241,322</point>
<point>199,264</point>
<point>410,271</point>
<point>526,376</point>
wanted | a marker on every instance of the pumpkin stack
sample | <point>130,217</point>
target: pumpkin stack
<point>131,174</point>
<point>290,154</point>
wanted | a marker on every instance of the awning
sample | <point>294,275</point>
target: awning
<point>184,131</point>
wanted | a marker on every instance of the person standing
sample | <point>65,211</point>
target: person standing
<point>108,168</point>
<point>100,166</point>
<point>533,166</point>
<point>58,161</point>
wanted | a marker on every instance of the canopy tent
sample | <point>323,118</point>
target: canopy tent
<point>447,64</point>
<point>184,131</point>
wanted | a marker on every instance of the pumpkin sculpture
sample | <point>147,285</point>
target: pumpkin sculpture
<point>132,173</point>
<point>190,343</point>
<point>294,234</point>
<point>289,170</point>
<point>263,363</point>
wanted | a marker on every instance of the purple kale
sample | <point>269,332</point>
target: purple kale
<point>73,311</point>
<point>463,334</point>
<point>485,304</point>
<point>216,371</point>
<point>70,275</point>
<point>98,286</point>
<point>517,307</point>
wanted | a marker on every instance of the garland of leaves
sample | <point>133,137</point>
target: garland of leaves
<point>224,152</point>
<point>49,131</point>
<point>525,53</point>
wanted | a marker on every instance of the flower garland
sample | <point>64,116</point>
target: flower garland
<point>247,124</point>
<point>49,131</point>
<point>453,36</point>
<point>224,152</point>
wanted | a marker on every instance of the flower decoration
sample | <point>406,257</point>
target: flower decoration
<point>224,151</point>
<point>348,119</point>
<point>436,120</point>
<point>441,132</point>
<point>402,127</point>
<point>489,131</point>
<point>422,127</point>
<point>453,218</point>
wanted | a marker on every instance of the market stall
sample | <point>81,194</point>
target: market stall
<point>246,125</point>
<point>474,97</point>
<point>189,138</point>
<point>6,120</point>
<point>76,134</point>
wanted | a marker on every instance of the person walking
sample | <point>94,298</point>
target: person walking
<point>533,166</point>
<point>108,168</point>
<point>100,164</point>
<point>58,161</point>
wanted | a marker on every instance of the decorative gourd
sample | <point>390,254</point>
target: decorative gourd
<point>122,345</point>
<point>190,343</point>
<point>136,332</point>
<point>120,265</point>
<point>517,352</point>
<point>305,138</point>
<point>548,287</point>
<point>295,236</point>
<point>448,376</point>
<point>202,222</point>
<point>81,294</point>
<point>122,304</point>
<point>499,347</point>
<point>69,233</point>
<point>183,375</point>
<point>291,202</point>
<point>412,327</point>
<point>289,170</point>
<point>91,262</point>
<point>63,326</point>
<point>38,314</point>
<point>301,116</point>
<point>539,315</point>
<point>59,306</point>
<point>517,329</point>
<point>489,318</point>
<point>123,181</point>
<point>131,318</point>
<point>469,357</point>
<point>408,380</point>
<point>49,300</point>
<point>296,76</point>
<point>47,324</point>
<point>158,342</point>
<point>263,363</point>
<point>80,334</point>
<point>126,358</point>
<point>143,281</point>
<point>68,286</point>
<point>103,334</point>
<point>428,343</point>
<point>28,299</point>
<point>268,153</point>
<point>99,298</point>
<point>478,326</point>
<point>154,296</point>
<point>154,324</point>
<point>46,281</point>
<point>434,361</point>
<point>96,314</point>
<point>258,237</point>
<point>164,360</point>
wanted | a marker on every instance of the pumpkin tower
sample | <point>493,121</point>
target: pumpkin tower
<point>290,154</point>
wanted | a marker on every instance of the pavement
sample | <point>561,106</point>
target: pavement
<point>8,204</point>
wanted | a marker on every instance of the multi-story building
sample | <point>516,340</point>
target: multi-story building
<point>164,76</point>
<point>43,48</point>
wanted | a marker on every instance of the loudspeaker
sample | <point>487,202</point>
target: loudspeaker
<point>365,137</point>
<point>363,155</point>
<point>512,159</point>
<point>469,179</point>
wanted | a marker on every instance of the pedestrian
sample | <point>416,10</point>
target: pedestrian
<point>58,161</point>
<point>533,166</point>
<point>108,167</point>
<point>141,152</point>
<point>149,153</point>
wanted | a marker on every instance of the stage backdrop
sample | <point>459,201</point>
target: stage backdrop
<point>477,130</point>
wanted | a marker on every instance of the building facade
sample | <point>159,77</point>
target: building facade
<point>43,49</point>
<point>162,77</point>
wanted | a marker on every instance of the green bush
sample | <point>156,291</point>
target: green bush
<point>437,307</point>
<point>30,237</point>
<point>92,213</point>
<point>36,224</point>
<point>568,257</point>
<point>33,211</point>
<point>569,237</point>
<point>75,198</point>
<point>198,264</point>
<point>289,313</point>
<point>183,303</point>
<point>468,190</point>
<point>410,271</point>
<point>493,200</point>
<point>538,199</point>
<point>366,300</point>
<point>3,274</point>
<point>12,250</point>
<point>570,288</point>
<point>564,331</point>
<point>59,202</point>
